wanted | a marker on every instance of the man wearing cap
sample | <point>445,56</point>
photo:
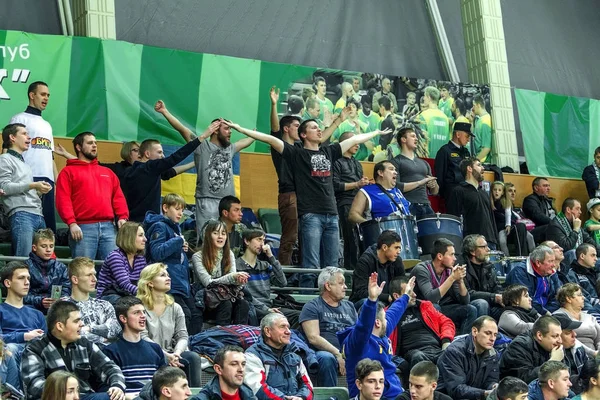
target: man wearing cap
<point>448,158</point>
<point>591,176</point>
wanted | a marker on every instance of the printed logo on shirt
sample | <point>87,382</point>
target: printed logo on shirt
<point>454,155</point>
<point>219,167</point>
<point>321,166</point>
<point>41,143</point>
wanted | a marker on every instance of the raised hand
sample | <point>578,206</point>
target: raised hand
<point>384,132</point>
<point>160,107</point>
<point>232,125</point>
<point>274,93</point>
<point>344,113</point>
<point>410,287</point>
<point>375,289</point>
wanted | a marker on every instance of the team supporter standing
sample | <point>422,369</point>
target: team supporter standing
<point>314,186</point>
<point>21,194</point>
<point>88,198</point>
<point>433,121</point>
<point>45,273</point>
<point>100,324</point>
<point>449,157</point>
<point>39,156</point>
<point>482,130</point>
<point>121,269</point>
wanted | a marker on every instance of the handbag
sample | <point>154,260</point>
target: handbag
<point>215,293</point>
<point>527,222</point>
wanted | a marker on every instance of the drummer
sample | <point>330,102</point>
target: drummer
<point>380,199</point>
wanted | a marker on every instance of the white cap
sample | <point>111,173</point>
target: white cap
<point>593,202</point>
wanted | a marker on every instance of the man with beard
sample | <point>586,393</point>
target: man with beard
<point>449,157</point>
<point>230,366</point>
<point>380,199</point>
<point>473,203</point>
<point>21,197</point>
<point>39,156</point>
<point>386,87</point>
<point>138,359</point>
<point>368,338</point>
<point>414,175</point>
<point>275,370</point>
<point>481,279</point>
<point>538,207</point>
<point>213,160</point>
<point>88,197</point>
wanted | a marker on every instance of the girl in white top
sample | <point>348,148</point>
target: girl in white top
<point>215,264</point>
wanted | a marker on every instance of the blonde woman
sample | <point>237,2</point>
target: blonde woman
<point>9,371</point>
<point>61,385</point>
<point>165,321</point>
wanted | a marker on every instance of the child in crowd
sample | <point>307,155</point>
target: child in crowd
<point>506,221</point>
<point>165,321</point>
<point>592,225</point>
<point>121,270</point>
<point>49,278</point>
<point>167,246</point>
<point>215,264</point>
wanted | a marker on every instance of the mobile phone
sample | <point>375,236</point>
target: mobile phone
<point>56,291</point>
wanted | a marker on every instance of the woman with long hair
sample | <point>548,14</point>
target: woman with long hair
<point>589,378</point>
<point>61,385</point>
<point>121,270</point>
<point>165,321</point>
<point>214,264</point>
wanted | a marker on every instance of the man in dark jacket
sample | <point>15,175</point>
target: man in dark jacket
<point>229,365</point>
<point>591,176</point>
<point>553,382</point>
<point>383,258</point>
<point>481,279</point>
<point>168,383</point>
<point>274,370</point>
<point>469,366</point>
<point>423,332</point>
<point>448,158</point>
<point>567,230</point>
<point>528,351</point>
<point>582,272</point>
<point>63,348</point>
<point>538,208</point>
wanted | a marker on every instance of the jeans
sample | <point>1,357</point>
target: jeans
<point>95,396</point>
<point>98,240</point>
<point>193,315</point>
<point>350,239</point>
<point>16,349</point>
<point>328,369</point>
<point>48,208</point>
<point>463,316</point>
<point>482,306</point>
<point>418,210</point>
<point>206,209</point>
<point>192,366</point>
<point>288,214</point>
<point>320,244</point>
<point>23,225</point>
<point>9,372</point>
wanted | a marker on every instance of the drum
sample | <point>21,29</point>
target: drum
<point>436,226</point>
<point>404,225</point>
<point>497,260</point>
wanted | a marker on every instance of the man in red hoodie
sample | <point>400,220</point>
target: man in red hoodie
<point>88,197</point>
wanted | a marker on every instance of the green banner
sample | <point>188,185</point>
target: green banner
<point>560,133</point>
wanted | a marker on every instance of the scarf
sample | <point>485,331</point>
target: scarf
<point>523,314</point>
<point>566,225</point>
<point>435,281</point>
<point>597,171</point>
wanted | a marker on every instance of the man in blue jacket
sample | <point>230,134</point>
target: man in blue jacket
<point>553,382</point>
<point>540,278</point>
<point>469,368</point>
<point>369,337</point>
<point>274,370</point>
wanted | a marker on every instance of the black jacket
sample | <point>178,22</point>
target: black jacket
<point>591,180</point>
<point>535,208</point>
<point>346,170</point>
<point>465,375</point>
<point>367,264</point>
<point>212,391</point>
<point>482,282</point>
<point>447,171</point>
<point>523,358</point>
<point>556,233</point>
<point>476,208</point>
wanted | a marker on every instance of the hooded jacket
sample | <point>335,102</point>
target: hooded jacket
<point>212,391</point>
<point>274,378</point>
<point>464,374</point>
<point>358,342</point>
<point>367,264</point>
<point>165,245</point>
<point>441,326</point>
<point>87,193</point>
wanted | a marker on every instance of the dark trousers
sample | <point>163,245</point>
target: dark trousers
<point>350,240</point>
<point>539,233</point>
<point>462,315</point>
<point>193,315</point>
<point>230,313</point>
<point>418,210</point>
<point>48,208</point>
<point>288,214</point>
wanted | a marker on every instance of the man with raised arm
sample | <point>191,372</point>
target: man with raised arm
<point>313,178</point>
<point>213,159</point>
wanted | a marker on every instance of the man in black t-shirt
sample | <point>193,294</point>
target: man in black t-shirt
<point>313,179</point>
<point>448,158</point>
